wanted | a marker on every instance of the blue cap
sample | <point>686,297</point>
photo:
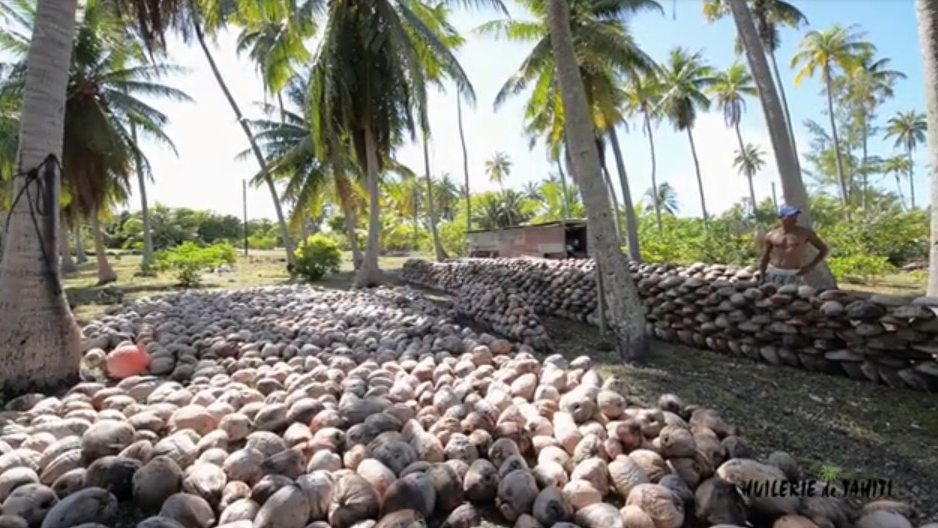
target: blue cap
<point>788,210</point>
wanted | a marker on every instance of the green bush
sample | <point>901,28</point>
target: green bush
<point>859,267</point>
<point>261,242</point>
<point>316,257</point>
<point>188,260</point>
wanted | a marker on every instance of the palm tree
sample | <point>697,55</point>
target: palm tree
<point>898,166</point>
<point>685,79</point>
<point>435,18</point>
<point>866,85</point>
<point>289,151</point>
<point>605,50</point>
<point>103,111</point>
<point>786,157</point>
<point>748,162</point>
<point>626,314</point>
<point>909,130</point>
<point>498,168</point>
<point>824,51</point>
<point>730,88</point>
<point>768,15</point>
<point>371,103</point>
<point>642,93</point>
<point>664,198</point>
<point>465,162</point>
<point>34,312</point>
<point>926,15</point>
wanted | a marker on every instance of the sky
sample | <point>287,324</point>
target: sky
<point>205,174</point>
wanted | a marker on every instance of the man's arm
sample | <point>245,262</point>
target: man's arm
<point>766,256</point>
<point>822,251</point>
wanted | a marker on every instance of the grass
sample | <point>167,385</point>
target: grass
<point>911,284</point>
<point>259,268</point>
<point>829,424</point>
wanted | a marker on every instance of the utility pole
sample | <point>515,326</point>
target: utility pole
<point>244,205</point>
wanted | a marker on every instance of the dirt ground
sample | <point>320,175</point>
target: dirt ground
<point>829,424</point>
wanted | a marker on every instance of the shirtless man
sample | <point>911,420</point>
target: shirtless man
<point>784,249</point>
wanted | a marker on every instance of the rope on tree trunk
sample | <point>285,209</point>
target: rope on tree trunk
<point>43,177</point>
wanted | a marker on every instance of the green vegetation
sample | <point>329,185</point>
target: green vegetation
<point>189,260</point>
<point>317,256</point>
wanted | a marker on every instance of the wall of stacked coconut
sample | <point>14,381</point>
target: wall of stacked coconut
<point>881,338</point>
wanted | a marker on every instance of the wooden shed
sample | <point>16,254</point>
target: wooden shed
<point>559,239</point>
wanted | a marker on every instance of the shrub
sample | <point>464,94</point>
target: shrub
<point>854,267</point>
<point>188,260</point>
<point>316,257</point>
<point>261,242</point>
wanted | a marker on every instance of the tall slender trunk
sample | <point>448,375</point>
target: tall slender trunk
<point>786,159</point>
<point>625,311</point>
<point>631,226</point>
<point>147,256</point>
<point>465,162</point>
<point>654,164</point>
<point>304,225</point>
<point>926,14</point>
<point>899,190</point>
<point>42,341</point>
<point>564,202</point>
<point>255,149</point>
<point>775,198</point>
<point>700,186</point>
<point>68,263</point>
<point>106,273</point>
<point>613,202</point>
<point>865,151</point>
<point>838,161</point>
<point>80,256</point>
<point>911,179</point>
<point>780,85</point>
<point>370,274</point>
<point>431,210</point>
<point>742,148</point>
<point>344,192</point>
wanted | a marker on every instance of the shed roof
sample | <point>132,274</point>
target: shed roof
<point>572,222</point>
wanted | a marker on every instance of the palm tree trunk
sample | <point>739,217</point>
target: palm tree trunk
<point>838,161</point>
<point>147,257</point>
<point>752,194</point>
<point>281,219</point>
<point>106,273</point>
<point>784,101</point>
<point>631,225</point>
<point>700,186</point>
<point>786,159</point>
<point>431,210</point>
<point>911,179</point>
<point>43,343</point>
<point>866,154</point>
<point>654,165</point>
<point>613,202</point>
<point>344,192</point>
<point>370,274</point>
<point>80,256</point>
<point>926,14</point>
<point>68,263</point>
<point>625,311</point>
<point>742,148</point>
<point>564,204</point>
<point>899,190</point>
<point>465,163</point>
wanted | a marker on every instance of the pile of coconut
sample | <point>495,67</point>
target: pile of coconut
<point>299,407</point>
<point>505,312</point>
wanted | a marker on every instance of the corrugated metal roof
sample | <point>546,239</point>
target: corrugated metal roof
<point>573,222</point>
